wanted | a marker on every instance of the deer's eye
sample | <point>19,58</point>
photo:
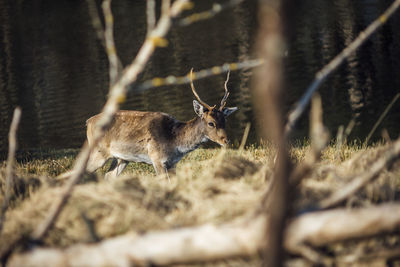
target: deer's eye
<point>211,124</point>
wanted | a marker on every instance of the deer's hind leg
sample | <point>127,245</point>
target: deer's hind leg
<point>117,166</point>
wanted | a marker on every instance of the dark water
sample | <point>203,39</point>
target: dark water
<point>54,67</point>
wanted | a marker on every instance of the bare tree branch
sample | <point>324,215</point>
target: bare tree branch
<point>216,70</point>
<point>321,75</point>
<point>96,21</point>
<point>268,95</point>
<point>117,95</point>
<point>109,42</point>
<point>209,242</point>
<point>318,132</point>
<point>385,112</point>
<point>245,136</point>
<point>326,227</point>
<point>101,32</point>
<point>367,257</point>
<point>12,147</point>
<point>193,244</point>
<point>151,15</point>
<point>165,6</point>
<point>392,153</point>
<point>319,140</point>
<point>216,9</point>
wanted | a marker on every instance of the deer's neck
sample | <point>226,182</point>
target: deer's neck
<point>190,135</point>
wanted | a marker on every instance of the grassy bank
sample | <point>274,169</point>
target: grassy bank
<point>210,185</point>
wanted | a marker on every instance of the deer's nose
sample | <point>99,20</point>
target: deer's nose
<point>225,140</point>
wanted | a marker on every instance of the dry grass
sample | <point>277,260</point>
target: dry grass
<point>210,185</point>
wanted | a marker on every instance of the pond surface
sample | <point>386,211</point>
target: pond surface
<point>54,67</point>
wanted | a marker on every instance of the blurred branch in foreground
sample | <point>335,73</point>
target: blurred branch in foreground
<point>105,36</point>
<point>385,112</point>
<point>96,21</point>
<point>268,89</point>
<point>392,153</point>
<point>216,8</point>
<point>109,42</point>
<point>267,231</point>
<point>321,75</point>
<point>209,242</point>
<point>216,70</point>
<point>150,15</point>
<point>117,95</point>
<point>12,147</point>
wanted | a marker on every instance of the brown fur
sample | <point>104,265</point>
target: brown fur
<point>154,137</point>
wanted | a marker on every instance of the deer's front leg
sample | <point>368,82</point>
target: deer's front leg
<point>161,169</point>
<point>158,160</point>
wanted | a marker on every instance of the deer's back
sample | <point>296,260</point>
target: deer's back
<point>134,130</point>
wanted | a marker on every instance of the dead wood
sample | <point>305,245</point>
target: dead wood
<point>117,95</point>
<point>268,94</point>
<point>12,147</point>
<point>195,244</point>
<point>325,227</point>
<point>392,153</point>
<point>368,257</point>
<point>209,242</point>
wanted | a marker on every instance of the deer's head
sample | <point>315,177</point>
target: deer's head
<point>213,118</point>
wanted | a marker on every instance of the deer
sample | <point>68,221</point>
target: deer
<point>157,138</point>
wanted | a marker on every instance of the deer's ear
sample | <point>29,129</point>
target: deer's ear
<point>198,108</point>
<point>229,111</point>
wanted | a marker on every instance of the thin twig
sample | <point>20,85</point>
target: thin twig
<point>165,6</point>
<point>339,141</point>
<point>318,132</point>
<point>331,66</point>
<point>96,21</point>
<point>117,95</point>
<point>348,129</point>
<point>245,136</point>
<point>151,15</point>
<point>392,153</point>
<point>319,139</point>
<point>98,27</point>
<point>178,80</point>
<point>216,9</point>
<point>12,147</point>
<point>309,253</point>
<point>383,115</point>
<point>109,42</point>
<point>341,137</point>
<point>383,254</point>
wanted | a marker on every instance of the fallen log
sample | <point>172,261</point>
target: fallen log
<point>325,227</point>
<point>209,242</point>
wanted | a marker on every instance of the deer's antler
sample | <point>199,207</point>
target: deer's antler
<point>223,101</point>
<point>195,93</point>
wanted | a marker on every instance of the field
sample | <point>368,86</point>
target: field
<point>210,186</point>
